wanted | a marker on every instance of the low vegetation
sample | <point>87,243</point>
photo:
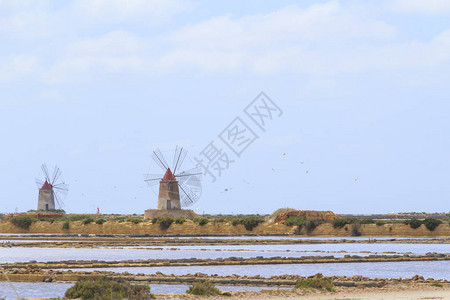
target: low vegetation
<point>100,221</point>
<point>380,223</point>
<point>164,223</point>
<point>295,221</point>
<point>248,222</point>
<point>201,221</point>
<point>88,221</point>
<point>341,222</point>
<point>105,288</point>
<point>66,225</point>
<point>431,223</point>
<point>309,225</point>
<point>324,284</point>
<point>437,283</point>
<point>205,288</point>
<point>180,220</point>
<point>23,222</point>
<point>354,231</point>
<point>135,220</point>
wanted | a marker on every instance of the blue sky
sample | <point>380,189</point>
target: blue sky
<point>95,85</point>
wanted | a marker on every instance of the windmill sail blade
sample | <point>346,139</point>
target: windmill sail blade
<point>159,159</point>
<point>39,182</point>
<point>45,171</point>
<point>190,175</point>
<point>180,155</point>
<point>61,187</point>
<point>152,179</point>
<point>188,194</point>
<point>58,199</point>
<point>56,175</point>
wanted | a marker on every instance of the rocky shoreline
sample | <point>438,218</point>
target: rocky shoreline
<point>258,260</point>
<point>39,275</point>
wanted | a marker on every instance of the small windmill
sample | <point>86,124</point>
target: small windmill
<point>51,189</point>
<point>178,188</point>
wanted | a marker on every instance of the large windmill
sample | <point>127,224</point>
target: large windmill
<point>51,189</point>
<point>177,189</point>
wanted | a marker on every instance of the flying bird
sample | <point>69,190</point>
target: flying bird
<point>302,162</point>
<point>307,171</point>
<point>356,179</point>
<point>284,154</point>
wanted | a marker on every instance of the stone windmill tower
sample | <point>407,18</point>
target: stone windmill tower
<point>46,199</point>
<point>169,192</point>
<point>176,189</point>
<point>51,190</point>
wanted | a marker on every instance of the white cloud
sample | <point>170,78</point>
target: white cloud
<point>322,39</point>
<point>154,11</point>
<point>271,42</point>
<point>430,7</point>
<point>18,65</point>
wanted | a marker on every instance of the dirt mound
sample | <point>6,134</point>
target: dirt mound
<point>326,216</point>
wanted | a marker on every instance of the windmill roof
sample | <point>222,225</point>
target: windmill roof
<point>46,186</point>
<point>168,175</point>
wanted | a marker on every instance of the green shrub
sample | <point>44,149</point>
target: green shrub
<point>180,220</point>
<point>295,221</point>
<point>105,288</point>
<point>134,220</point>
<point>355,230</point>
<point>315,283</point>
<point>431,223</point>
<point>100,221</point>
<point>341,222</point>
<point>154,220</point>
<point>248,222</point>
<point>88,221</point>
<point>165,223</point>
<point>413,223</point>
<point>119,219</point>
<point>202,221</point>
<point>311,225</point>
<point>205,288</point>
<point>436,283</point>
<point>251,222</point>
<point>76,217</point>
<point>235,222</point>
<point>219,220</point>
<point>23,222</point>
<point>66,225</point>
<point>367,221</point>
<point>380,223</point>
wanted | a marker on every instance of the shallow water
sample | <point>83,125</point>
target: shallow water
<point>427,269</point>
<point>41,290</point>
<point>25,254</point>
<point>354,248</point>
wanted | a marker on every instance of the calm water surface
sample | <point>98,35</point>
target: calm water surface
<point>427,269</point>
<point>25,254</point>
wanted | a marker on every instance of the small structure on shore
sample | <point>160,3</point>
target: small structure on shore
<point>308,215</point>
<point>176,189</point>
<point>51,189</point>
